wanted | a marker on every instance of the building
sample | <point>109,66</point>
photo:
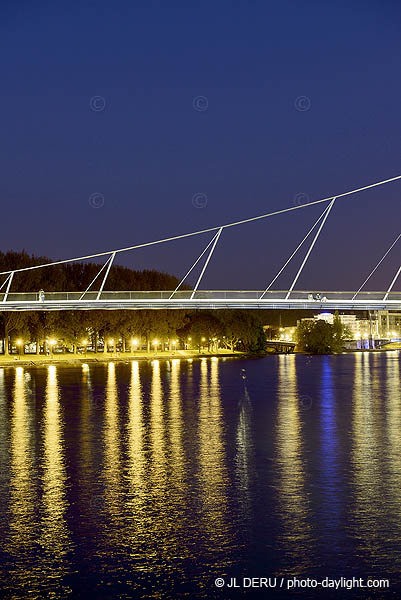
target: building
<point>389,324</point>
<point>358,328</point>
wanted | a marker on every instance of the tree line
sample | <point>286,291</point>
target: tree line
<point>76,277</point>
<point>97,330</point>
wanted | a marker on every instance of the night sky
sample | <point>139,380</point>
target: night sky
<point>124,122</point>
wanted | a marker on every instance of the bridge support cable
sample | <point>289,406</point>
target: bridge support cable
<point>4,282</point>
<point>9,280</point>
<point>110,262</point>
<point>94,279</point>
<point>392,283</point>
<point>377,266</point>
<point>294,253</point>
<point>310,248</point>
<point>193,266</point>
<point>216,228</point>
<point>216,239</point>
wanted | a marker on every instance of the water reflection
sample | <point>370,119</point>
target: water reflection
<point>136,433</point>
<point>4,425</point>
<point>244,451</point>
<point>176,428</point>
<point>23,497</point>
<point>394,430</point>
<point>55,537</point>
<point>331,485</point>
<point>157,434</point>
<point>393,422</point>
<point>112,471</point>
<point>165,482</point>
<point>212,468</point>
<point>86,434</point>
<point>369,506</point>
<point>294,509</point>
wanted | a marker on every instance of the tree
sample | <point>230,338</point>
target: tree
<point>72,328</point>
<point>242,330</point>
<point>320,337</point>
<point>14,324</point>
<point>202,327</point>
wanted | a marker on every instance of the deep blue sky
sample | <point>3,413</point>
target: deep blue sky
<point>251,151</point>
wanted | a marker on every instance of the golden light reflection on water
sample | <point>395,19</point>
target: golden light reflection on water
<point>112,453</point>
<point>23,526</point>
<point>55,537</point>
<point>176,427</point>
<point>366,465</point>
<point>86,404</point>
<point>394,437</point>
<point>136,432</point>
<point>212,467</point>
<point>294,504</point>
<point>157,434</point>
<point>3,429</point>
<point>394,453</point>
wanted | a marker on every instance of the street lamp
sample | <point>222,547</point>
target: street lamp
<point>19,344</point>
<point>85,345</point>
<point>155,343</point>
<point>52,344</point>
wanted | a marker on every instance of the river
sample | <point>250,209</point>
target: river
<point>150,479</point>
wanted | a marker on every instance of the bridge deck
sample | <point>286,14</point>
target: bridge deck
<point>225,299</point>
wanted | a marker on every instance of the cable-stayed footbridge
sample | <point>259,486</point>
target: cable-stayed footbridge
<point>196,298</point>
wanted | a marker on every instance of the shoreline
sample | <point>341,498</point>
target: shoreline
<point>35,360</point>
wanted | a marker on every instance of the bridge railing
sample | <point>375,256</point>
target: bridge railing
<point>199,295</point>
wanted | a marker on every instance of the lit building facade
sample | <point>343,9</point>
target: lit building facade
<point>389,324</point>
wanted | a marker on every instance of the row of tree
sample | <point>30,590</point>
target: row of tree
<point>232,329</point>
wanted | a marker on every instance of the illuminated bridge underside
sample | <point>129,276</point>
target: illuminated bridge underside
<point>202,300</point>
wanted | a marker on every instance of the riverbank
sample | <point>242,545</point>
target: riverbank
<point>32,360</point>
<point>92,358</point>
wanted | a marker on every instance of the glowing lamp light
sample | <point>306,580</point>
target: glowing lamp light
<point>19,342</point>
